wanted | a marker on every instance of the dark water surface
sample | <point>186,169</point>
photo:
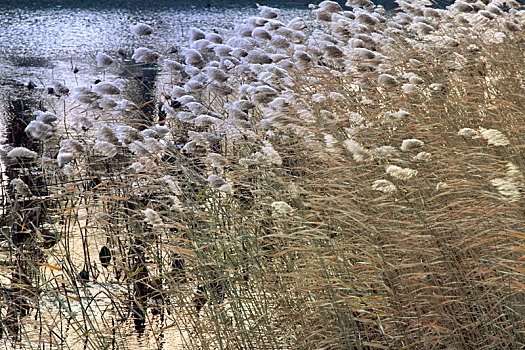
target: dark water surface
<point>44,40</point>
<point>158,4</point>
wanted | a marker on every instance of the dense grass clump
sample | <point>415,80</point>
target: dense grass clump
<point>349,180</point>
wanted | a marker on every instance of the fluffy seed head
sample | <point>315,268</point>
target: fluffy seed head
<point>422,157</point>
<point>105,133</point>
<point>64,158</point>
<point>400,173</point>
<point>46,117</point>
<point>71,145</point>
<point>141,29</point>
<point>59,88</point>
<point>20,187</point>
<point>173,65</point>
<point>106,88</point>
<point>104,60</point>
<point>411,144</point>
<point>152,217</point>
<point>332,51</point>
<point>282,208</point>
<point>105,148</point>
<point>216,160</point>
<point>145,55</point>
<point>297,24</point>
<point>494,137</point>
<point>22,152</point>
<point>468,132</point>
<point>222,50</point>
<point>360,3</point>
<point>261,33</point>
<point>268,12</point>
<point>359,153</point>
<point>218,183</point>
<point>214,38</point>
<point>512,185</point>
<point>195,34</point>
<point>330,6</point>
<point>193,58</point>
<point>384,186</point>
<point>462,6</point>
<point>85,95</point>
<point>39,130</point>
<point>387,80</point>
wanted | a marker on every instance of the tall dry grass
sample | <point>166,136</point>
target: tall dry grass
<point>324,246</point>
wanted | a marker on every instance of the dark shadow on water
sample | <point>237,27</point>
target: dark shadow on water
<point>153,4</point>
<point>198,5</point>
<point>27,61</point>
<point>22,221</point>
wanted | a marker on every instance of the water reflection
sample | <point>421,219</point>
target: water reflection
<point>38,38</point>
<point>137,5</point>
<point>61,44</point>
<point>40,45</point>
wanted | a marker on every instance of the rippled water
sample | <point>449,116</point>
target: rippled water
<point>39,45</point>
<point>35,41</point>
<point>42,44</point>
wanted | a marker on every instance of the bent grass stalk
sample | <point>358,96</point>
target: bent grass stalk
<point>304,252</point>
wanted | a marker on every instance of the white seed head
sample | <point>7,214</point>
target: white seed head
<point>282,208</point>
<point>271,154</point>
<point>64,158</point>
<point>400,173</point>
<point>512,186</point>
<point>509,189</point>
<point>85,95</point>
<point>152,217</point>
<point>330,6</point>
<point>193,58</point>
<point>268,12</point>
<point>82,122</point>
<point>39,130</point>
<point>494,137</point>
<point>106,88</point>
<point>69,170</point>
<point>59,88</point>
<point>387,80</point>
<point>103,60</point>
<point>107,149</point>
<point>222,50</point>
<point>71,145</point>
<point>145,55</point>
<point>411,144</point>
<point>22,152</point>
<point>384,186</point>
<point>20,187</point>
<point>46,117</point>
<point>173,65</point>
<point>141,29</point>
<point>214,38</point>
<point>297,24</point>
<point>195,34</point>
<point>359,153</point>
<point>468,132</point>
<point>105,133</point>
<point>216,160</point>
<point>422,157</point>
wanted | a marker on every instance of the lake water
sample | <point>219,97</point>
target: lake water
<point>45,40</point>
<point>41,43</point>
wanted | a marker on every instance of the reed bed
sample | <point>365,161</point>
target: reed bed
<point>361,188</point>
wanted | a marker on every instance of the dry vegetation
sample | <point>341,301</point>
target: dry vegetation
<point>381,211</point>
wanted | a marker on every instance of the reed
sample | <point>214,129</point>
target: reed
<point>359,188</point>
